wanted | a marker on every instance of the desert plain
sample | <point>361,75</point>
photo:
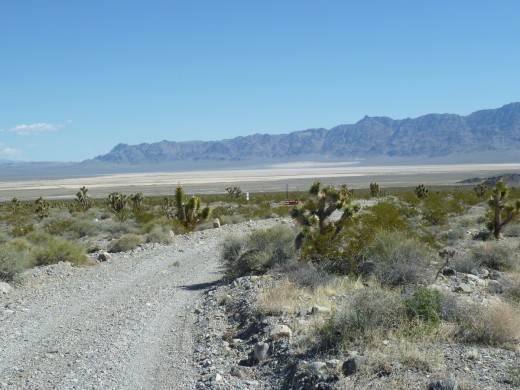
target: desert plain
<point>274,178</point>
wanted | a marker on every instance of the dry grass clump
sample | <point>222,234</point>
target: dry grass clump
<point>126,243</point>
<point>512,293</point>
<point>283,296</point>
<point>303,273</point>
<point>13,261</point>
<point>418,357</point>
<point>371,315</point>
<point>259,252</point>
<point>160,234</point>
<point>290,296</point>
<point>496,255</point>
<point>495,325</point>
<point>56,250</point>
<point>398,260</point>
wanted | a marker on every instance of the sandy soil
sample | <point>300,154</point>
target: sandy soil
<point>297,176</point>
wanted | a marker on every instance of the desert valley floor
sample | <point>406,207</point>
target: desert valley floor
<point>295,176</point>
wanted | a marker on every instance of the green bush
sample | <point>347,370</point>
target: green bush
<point>126,243</point>
<point>495,255</point>
<point>13,261</point>
<point>71,228</point>
<point>425,305</point>
<point>398,259</point>
<point>55,250</point>
<point>257,253</point>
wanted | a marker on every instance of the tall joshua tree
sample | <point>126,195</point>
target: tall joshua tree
<point>503,212</point>
<point>82,200</point>
<point>315,214</point>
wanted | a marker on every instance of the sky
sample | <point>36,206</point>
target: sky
<point>79,77</point>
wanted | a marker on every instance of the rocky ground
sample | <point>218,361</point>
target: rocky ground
<point>241,350</point>
<point>127,323</point>
<point>160,317</point>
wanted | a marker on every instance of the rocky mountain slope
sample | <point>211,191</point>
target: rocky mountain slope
<point>428,136</point>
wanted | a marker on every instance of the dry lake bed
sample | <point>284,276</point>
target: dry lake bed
<point>294,176</point>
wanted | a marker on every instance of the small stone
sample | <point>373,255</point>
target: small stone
<point>216,377</point>
<point>444,384</point>
<point>252,383</point>
<point>495,286</point>
<point>448,271</point>
<point>5,287</point>
<point>216,223</point>
<point>280,331</point>
<point>352,365</point>
<point>463,288</point>
<point>320,309</point>
<point>333,364</point>
<point>316,367</point>
<point>260,351</point>
<point>103,256</point>
<point>303,313</point>
<point>239,372</point>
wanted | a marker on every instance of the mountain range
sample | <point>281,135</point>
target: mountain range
<point>490,132</point>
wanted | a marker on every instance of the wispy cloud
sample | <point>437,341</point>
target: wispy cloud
<point>36,128</point>
<point>11,152</point>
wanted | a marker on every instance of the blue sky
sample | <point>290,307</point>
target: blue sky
<point>78,77</point>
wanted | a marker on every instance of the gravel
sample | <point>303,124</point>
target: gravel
<point>128,323</point>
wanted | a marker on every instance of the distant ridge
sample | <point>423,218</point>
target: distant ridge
<point>430,136</point>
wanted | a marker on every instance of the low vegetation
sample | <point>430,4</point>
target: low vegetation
<point>397,264</point>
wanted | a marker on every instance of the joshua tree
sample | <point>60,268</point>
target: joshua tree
<point>43,208</point>
<point>15,205</point>
<point>82,200</point>
<point>481,190</point>
<point>234,192</point>
<point>421,191</point>
<point>168,207</point>
<point>190,213</point>
<point>137,201</point>
<point>503,212</point>
<point>375,191</point>
<point>315,214</point>
<point>117,204</point>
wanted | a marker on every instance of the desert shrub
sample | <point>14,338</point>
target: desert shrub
<point>160,235</point>
<point>57,225</point>
<point>4,237</point>
<point>39,238</point>
<point>126,243</point>
<point>463,263</point>
<point>456,234</point>
<point>495,255</point>
<point>257,253</point>
<point>512,230</point>
<point>398,260</point>
<point>21,229</point>
<point>425,305</point>
<point>372,314</point>
<point>512,293</point>
<point>303,274</point>
<point>13,261</point>
<point>70,227</point>
<point>144,217</point>
<point>115,227</point>
<point>495,325</point>
<point>55,250</point>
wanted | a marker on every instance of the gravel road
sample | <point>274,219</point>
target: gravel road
<point>128,323</point>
